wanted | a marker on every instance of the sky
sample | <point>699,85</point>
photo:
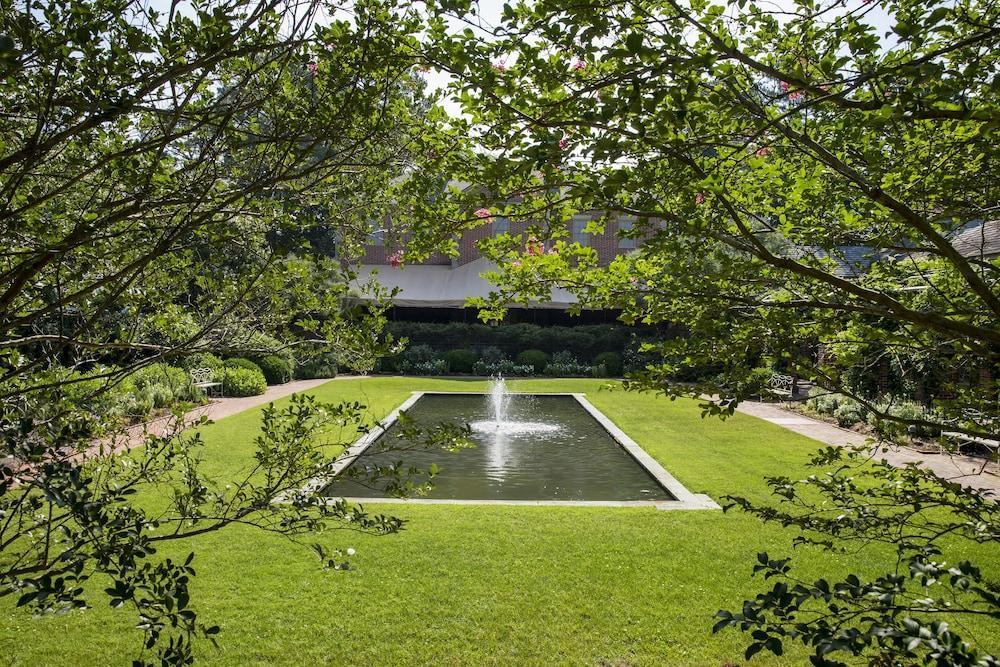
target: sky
<point>490,11</point>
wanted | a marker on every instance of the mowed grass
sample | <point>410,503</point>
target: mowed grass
<point>473,585</point>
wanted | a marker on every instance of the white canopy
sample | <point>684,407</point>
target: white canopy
<point>445,286</point>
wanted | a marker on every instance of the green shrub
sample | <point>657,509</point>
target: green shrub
<point>388,364</point>
<point>315,368</point>
<point>418,354</point>
<point>460,361</point>
<point>432,367</point>
<point>276,369</point>
<point>493,354</point>
<point>239,381</point>
<point>599,371</point>
<point>903,409</point>
<point>504,367</point>
<point>201,360</point>
<point>167,384</point>
<point>136,405</point>
<point>564,364</point>
<point>537,359</point>
<point>823,401</point>
<point>849,413</point>
<point>241,362</point>
<point>612,362</point>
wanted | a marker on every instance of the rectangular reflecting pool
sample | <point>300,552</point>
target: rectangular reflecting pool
<point>555,448</point>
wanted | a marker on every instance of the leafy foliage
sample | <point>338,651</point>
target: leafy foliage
<point>900,615</point>
<point>810,197</point>
<point>176,180</point>
<point>241,381</point>
<point>276,370</point>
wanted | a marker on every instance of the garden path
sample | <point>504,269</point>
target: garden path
<point>954,467</point>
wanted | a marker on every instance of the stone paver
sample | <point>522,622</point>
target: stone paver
<point>963,469</point>
<point>217,409</point>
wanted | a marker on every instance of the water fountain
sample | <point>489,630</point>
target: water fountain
<point>499,402</point>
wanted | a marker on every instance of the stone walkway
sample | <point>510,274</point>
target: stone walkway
<point>954,467</point>
<point>224,407</point>
<point>217,409</point>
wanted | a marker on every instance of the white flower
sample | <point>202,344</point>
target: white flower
<point>350,551</point>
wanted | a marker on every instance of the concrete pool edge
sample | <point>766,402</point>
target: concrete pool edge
<point>684,499</point>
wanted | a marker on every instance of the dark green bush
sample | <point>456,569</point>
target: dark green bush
<point>537,359</point>
<point>240,381</point>
<point>583,341</point>
<point>612,362</point>
<point>201,360</point>
<point>419,354</point>
<point>240,362</point>
<point>276,369</point>
<point>460,361</point>
<point>388,364</point>
<point>492,355</point>
<point>315,368</point>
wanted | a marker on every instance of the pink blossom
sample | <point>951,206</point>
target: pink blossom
<point>699,198</point>
<point>330,46</point>
<point>500,66</point>
<point>763,151</point>
<point>785,86</point>
<point>313,67</point>
<point>483,213</point>
<point>396,259</point>
<point>579,65</point>
<point>553,251</point>
<point>563,144</point>
<point>516,264</point>
<point>534,246</point>
<point>796,96</point>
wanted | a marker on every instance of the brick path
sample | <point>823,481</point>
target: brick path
<point>963,469</point>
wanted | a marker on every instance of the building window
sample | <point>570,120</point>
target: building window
<point>376,237</point>
<point>626,225</point>
<point>501,225</point>
<point>579,223</point>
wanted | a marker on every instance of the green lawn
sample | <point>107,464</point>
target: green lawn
<point>486,585</point>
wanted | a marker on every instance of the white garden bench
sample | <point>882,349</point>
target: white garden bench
<point>204,379</point>
<point>782,384</point>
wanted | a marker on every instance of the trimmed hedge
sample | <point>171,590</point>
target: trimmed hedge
<point>276,369</point>
<point>584,341</point>
<point>460,361</point>
<point>238,381</point>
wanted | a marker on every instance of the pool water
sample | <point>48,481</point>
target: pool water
<point>550,448</point>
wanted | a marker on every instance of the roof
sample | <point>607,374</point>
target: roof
<point>979,239</point>
<point>851,261</point>
<point>445,286</point>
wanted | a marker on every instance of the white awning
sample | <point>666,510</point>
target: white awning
<point>444,286</point>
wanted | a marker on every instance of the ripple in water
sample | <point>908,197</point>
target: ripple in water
<point>513,428</point>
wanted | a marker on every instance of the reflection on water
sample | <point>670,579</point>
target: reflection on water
<point>545,448</point>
